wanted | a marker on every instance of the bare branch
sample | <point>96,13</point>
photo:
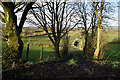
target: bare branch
<point>23,18</point>
<point>19,9</point>
<point>2,16</point>
<point>18,3</point>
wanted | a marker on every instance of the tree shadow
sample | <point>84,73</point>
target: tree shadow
<point>35,52</point>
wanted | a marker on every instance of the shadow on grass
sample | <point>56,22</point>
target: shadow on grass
<point>35,52</point>
<point>112,51</point>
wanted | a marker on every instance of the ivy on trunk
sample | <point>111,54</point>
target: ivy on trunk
<point>13,30</point>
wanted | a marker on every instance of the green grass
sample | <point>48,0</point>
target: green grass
<point>72,62</point>
<point>111,50</point>
<point>109,36</point>
<point>34,52</point>
<point>38,40</point>
<point>35,49</point>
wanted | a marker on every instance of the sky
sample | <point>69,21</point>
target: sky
<point>111,22</point>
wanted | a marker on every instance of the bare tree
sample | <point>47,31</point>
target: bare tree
<point>57,18</point>
<point>13,30</point>
<point>99,8</point>
<point>86,13</point>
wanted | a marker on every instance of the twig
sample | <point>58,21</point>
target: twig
<point>109,56</point>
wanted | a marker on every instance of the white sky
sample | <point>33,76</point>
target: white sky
<point>112,22</point>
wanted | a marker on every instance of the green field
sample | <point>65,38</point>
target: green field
<point>35,47</point>
<point>36,41</point>
<point>111,48</point>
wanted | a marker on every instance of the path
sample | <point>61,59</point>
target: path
<point>82,69</point>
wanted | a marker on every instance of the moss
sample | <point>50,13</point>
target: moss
<point>13,43</point>
<point>13,36</point>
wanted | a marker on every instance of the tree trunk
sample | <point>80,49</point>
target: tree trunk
<point>15,44</point>
<point>12,32</point>
<point>99,17</point>
<point>96,54</point>
<point>86,42</point>
<point>65,46</point>
<point>85,47</point>
<point>57,53</point>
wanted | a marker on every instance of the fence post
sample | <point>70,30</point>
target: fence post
<point>27,52</point>
<point>41,54</point>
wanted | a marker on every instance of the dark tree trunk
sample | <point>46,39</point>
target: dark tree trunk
<point>65,46</point>
<point>57,53</point>
<point>86,43</point>
<point>85,47</point>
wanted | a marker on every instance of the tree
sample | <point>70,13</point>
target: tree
<point>57,18</point>
<point>86,13</point>
<point>93,20</point>
<point>13,30</point>
<point>103,12</point>
<point>99,29</point>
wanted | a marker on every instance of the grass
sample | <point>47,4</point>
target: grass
<point>111,51</point>
<point>110,36</point>
<point>36,40</point>
<point>34,52</point>
<point>35,49</point>
<point>114,64</point>
<point>72,62</point>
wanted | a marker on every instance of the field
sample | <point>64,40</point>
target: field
<point>75,64</point>
<point>38,38</point>
<point>112,46</point>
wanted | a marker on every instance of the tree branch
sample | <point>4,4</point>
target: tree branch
<point>23,18</point>
<point>18,2</point>
<point>20,8</point>
<point>2,16</point>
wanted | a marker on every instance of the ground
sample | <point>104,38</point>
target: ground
<point>74,67</point>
